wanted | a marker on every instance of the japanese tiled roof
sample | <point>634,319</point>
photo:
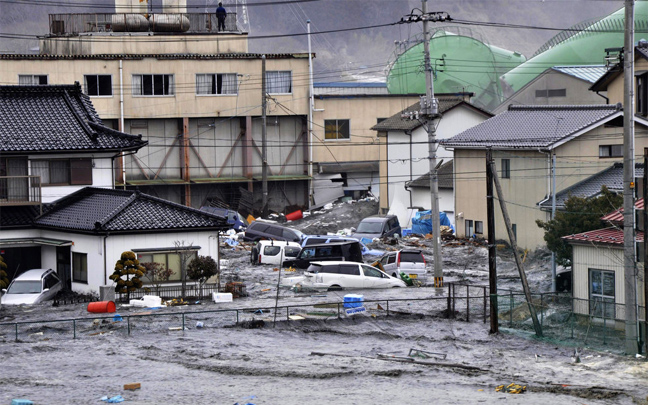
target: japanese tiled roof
<point>612,178</point>
<point>617,216</point>
<point>99,210</point>
<point>533,127</point>
<point>444,174</point>
<point>616,70</point>
<point>55,118</point>
<point>18,216</point>
<point>609,236</point>
<point>397,123</point>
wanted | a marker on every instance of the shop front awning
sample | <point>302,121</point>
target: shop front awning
<point>34,241</point>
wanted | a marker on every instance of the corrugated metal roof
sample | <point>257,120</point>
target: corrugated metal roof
<point>612,178</point>
<point>609,236</point>
<point>532,127</point>
<point>350,84</point>
<point>617,216</point>
<point>587,73</point>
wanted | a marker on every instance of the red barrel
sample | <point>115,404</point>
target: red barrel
<point>101,306</point>
<point>295,215</point>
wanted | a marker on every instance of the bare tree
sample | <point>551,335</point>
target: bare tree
<point>157,273</point>
<point>185,253</point>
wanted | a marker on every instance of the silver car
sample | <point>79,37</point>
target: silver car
<point>32,287</point>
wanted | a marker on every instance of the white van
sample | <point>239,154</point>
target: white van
<point>274,252</point>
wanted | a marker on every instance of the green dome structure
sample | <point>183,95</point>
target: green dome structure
<point>460,63</point>
<point>583,44</point>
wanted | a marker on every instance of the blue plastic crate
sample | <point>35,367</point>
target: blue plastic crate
<point>21,402</point>
<point>353,300</point>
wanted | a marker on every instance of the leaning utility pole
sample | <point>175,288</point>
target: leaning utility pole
<point>629,260</point>
<point>645,252</point>
<point>264,146</point>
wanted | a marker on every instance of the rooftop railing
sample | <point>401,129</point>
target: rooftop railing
<point>20,190</point>
<point>179,23</point>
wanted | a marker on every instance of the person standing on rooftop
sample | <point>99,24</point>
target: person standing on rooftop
<point>221,13</point>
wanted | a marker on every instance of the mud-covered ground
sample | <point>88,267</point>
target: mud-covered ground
<point>320,359</point>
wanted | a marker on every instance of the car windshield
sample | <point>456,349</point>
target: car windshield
<point>369,227</point>
<point>25,287</point>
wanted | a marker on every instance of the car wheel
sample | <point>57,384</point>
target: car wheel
<point>334,288</point>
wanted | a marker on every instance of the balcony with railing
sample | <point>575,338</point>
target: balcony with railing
<point>20,190</point>
<point>176,23</point>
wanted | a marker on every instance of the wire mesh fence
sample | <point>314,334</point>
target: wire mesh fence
<point>564,320</point>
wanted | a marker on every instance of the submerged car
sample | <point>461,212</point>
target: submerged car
<point>345,275</point>
<point>32,287</point>
<point>274,252</point>
<point>408,261</point>
<point>378,226</point>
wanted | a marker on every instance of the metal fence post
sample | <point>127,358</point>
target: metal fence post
<point>387,307</point>
<point>237,317</point>
<point>484,303</point>
<point>16,332</point>
<point>511,309</point>
<point>454,301</point>
<point>467,303</point>
<point>128,323</point>
<point>604,324</point>
<point>541,309</point>
<point>287,313</point>
<point>338,307</point>
<point>74,327</point>
<point>183,321</point>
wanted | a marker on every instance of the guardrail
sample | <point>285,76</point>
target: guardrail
<point>191,23</point>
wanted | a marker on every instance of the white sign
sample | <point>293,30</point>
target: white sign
<point>357,310</point>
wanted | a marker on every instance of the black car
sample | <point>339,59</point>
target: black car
<point>259,230</point>
<point>332,251</point>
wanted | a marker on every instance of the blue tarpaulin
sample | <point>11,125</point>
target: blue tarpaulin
<point>422,223</point>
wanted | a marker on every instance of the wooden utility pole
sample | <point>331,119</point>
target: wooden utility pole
<point>629,254</point>
<point>492,248</point>
<point>518,261</point>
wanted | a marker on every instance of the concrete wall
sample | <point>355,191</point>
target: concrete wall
<point>185,102</point>
<point>577,92</point>
<point>144,44</point>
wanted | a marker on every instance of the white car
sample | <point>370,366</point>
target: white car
<point>274,252</point>
<point>336,275</point>
<point>408,261</point>
<point>32,287</point>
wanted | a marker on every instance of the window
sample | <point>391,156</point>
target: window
<point>80,267</point>
<point>152,85</point>
<point>602,293</point>
<point>479,227</point>
<point>551,93</point>
<point>63,171</point>
<point>169,260</point>
<point>216,83</point>
<point>98,85</point>
<point>271,250</point>
<point>610,151</point>
<point>32,79</point>
<point>336,129</point>
<point>371,272</point>
<point>350,269</point>
<point>279,82</point>
<point>642,94</point>
<point>506,169</point>
<point>469,228</point>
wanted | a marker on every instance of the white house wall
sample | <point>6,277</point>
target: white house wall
<point>102,175</point>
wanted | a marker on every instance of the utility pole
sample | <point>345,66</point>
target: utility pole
<point>518,260</point>
<point>492,249</point>
<point>629,259</point>
<point>264,146</point>
<point>429,114</point>
<point>553,215</point>
<point>645,256</point>
<point>311,106</point>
